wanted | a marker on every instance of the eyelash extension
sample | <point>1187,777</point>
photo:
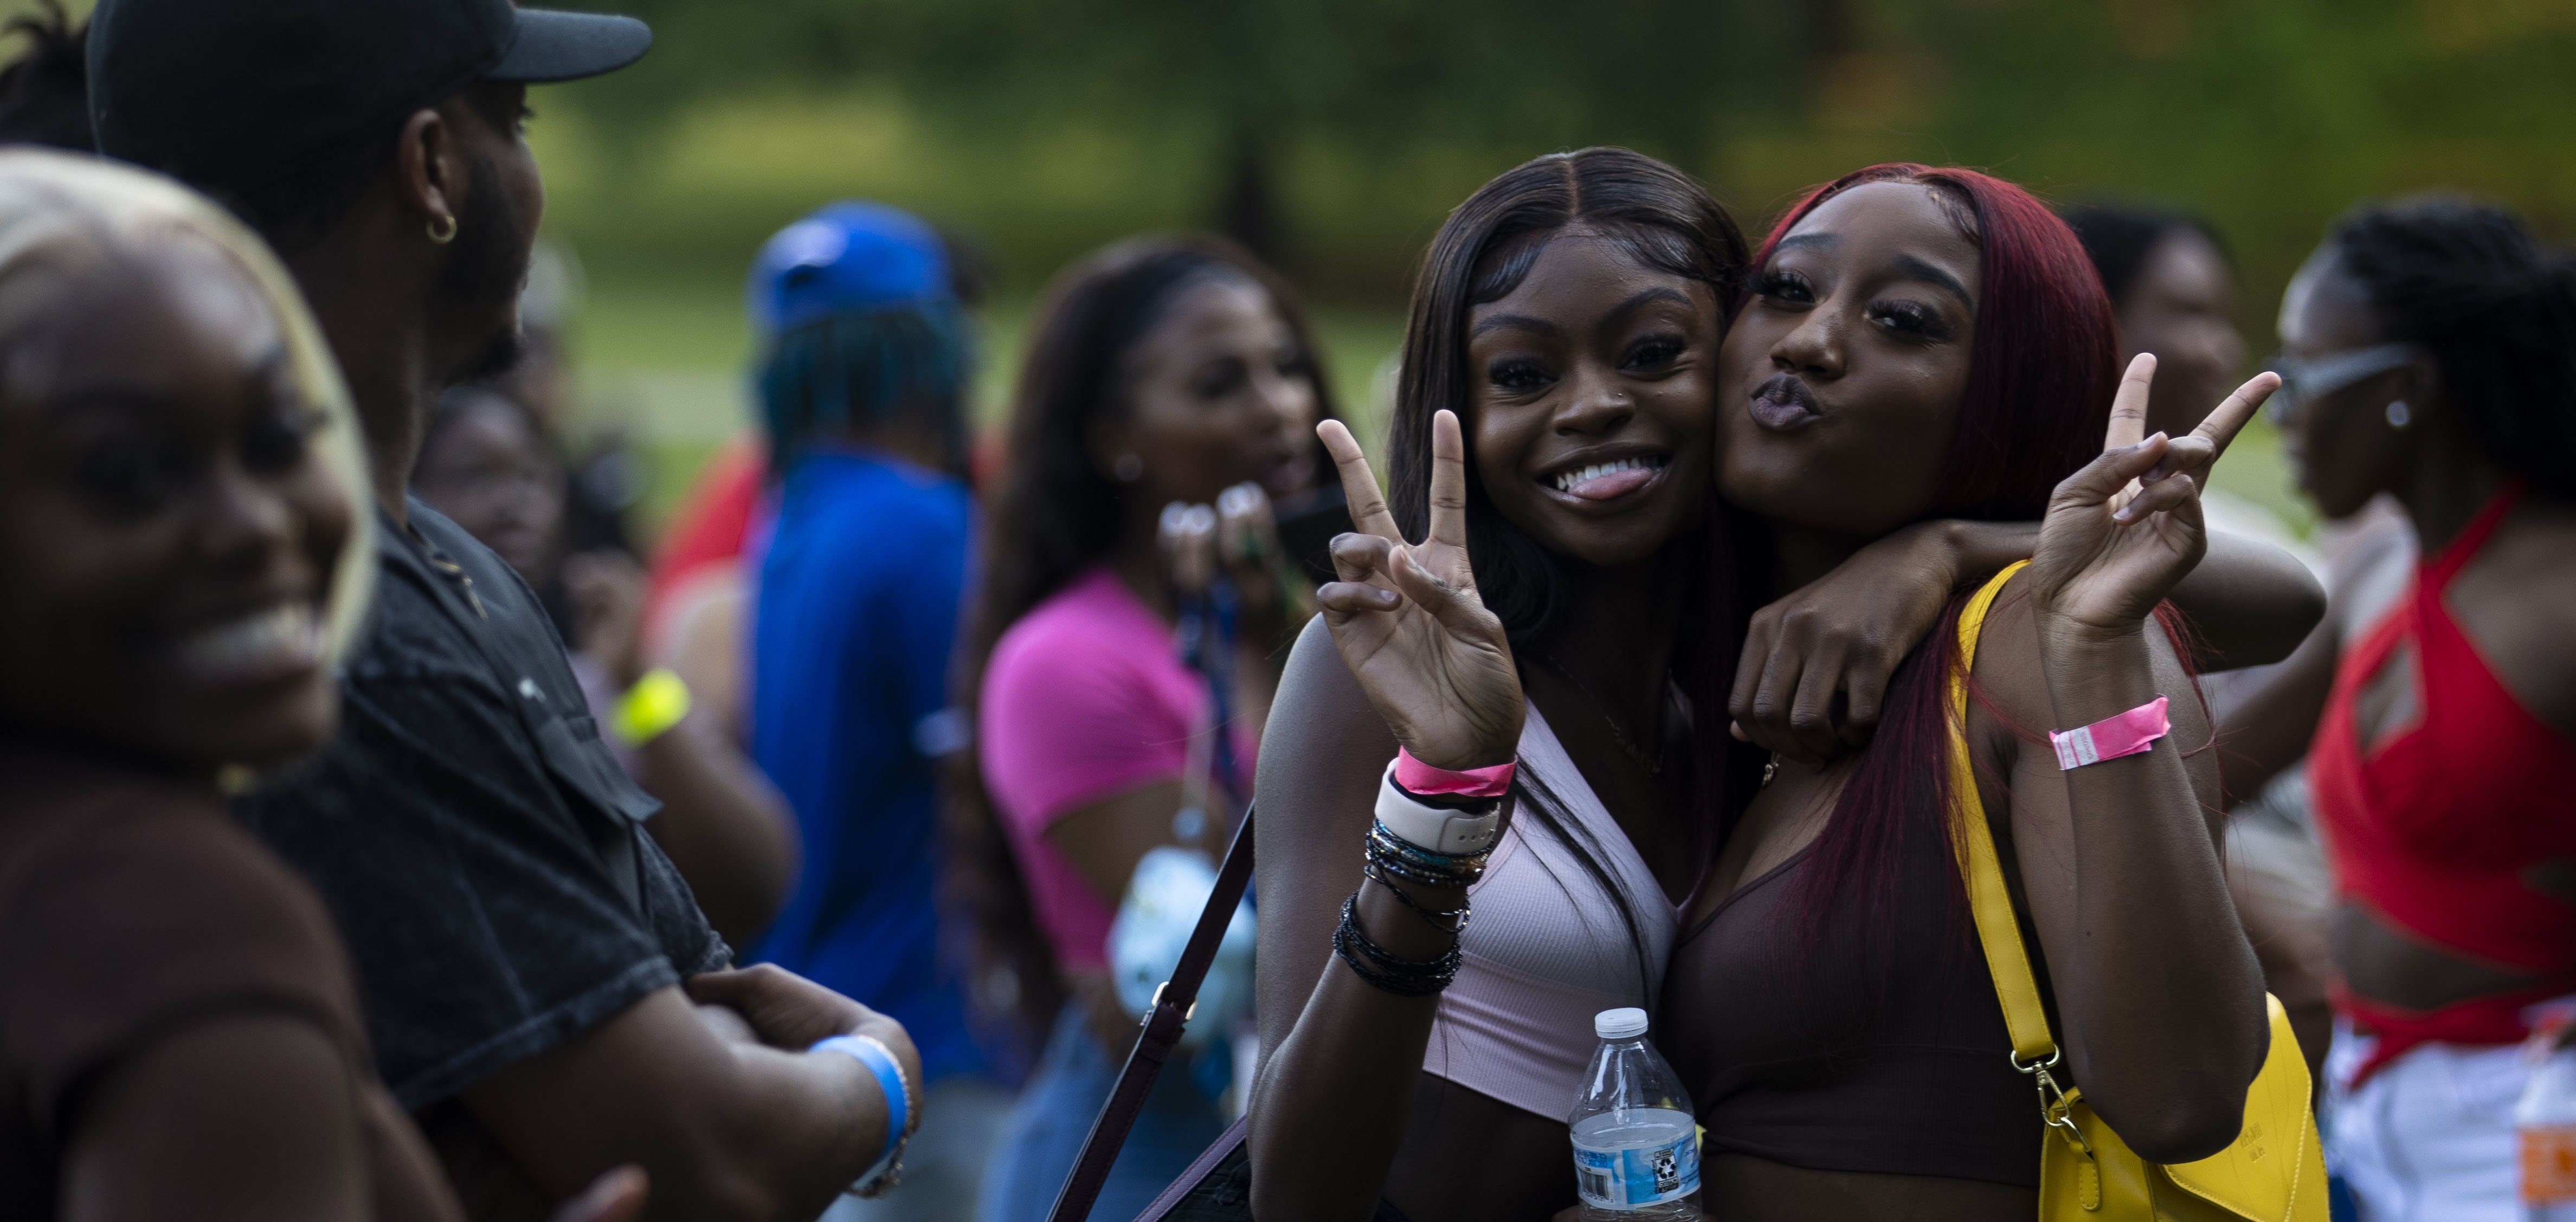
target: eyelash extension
<point>1772,282</point>
<point>1911,318</point>
<point>1663,348</point>
<point>1516,375</point>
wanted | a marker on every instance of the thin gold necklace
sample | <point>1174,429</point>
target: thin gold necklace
<point>1654,765</point>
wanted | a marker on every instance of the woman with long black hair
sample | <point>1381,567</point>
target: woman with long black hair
<point>1570,313</point>
<point>1162,372</point>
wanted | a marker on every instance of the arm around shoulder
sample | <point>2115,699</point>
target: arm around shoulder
<point>2250,602</point>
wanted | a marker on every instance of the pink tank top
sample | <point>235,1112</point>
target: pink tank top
<point>1547,948</point>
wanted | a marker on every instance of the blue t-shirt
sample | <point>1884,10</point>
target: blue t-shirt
<point>855,623</point>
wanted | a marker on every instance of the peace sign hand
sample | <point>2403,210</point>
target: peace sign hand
<point>1408,620</point>
<point>2124,529</point>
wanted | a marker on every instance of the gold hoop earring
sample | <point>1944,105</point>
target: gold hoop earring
<point>443,229</point>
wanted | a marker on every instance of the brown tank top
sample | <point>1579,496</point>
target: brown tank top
<point>1844,1055</point>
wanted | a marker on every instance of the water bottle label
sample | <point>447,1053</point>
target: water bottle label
<point>1634,1176</point>
<point>2549,1164</point>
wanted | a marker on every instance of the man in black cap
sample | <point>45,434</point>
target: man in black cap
<point>522,946</point>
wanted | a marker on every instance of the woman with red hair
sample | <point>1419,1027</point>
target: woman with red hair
<point>1916,342</point>
<point>1544,397</point>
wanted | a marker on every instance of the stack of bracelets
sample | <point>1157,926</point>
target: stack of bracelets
<point>1459,814</point>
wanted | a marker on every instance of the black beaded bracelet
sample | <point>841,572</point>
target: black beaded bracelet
<point>1390,973</point>
<point>1429,869</point>
<point>1451,921</point>
<point>1411,873</point>
<point>1429,858</point>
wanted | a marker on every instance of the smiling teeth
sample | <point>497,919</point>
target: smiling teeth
<point>281,637</point>
<point>1567,480</point>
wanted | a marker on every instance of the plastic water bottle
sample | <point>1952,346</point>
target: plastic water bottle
<point>2546,1118</point>
<point>1636,1140</point>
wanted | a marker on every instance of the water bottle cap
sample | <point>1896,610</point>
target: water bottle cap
<point>1625,1023</point>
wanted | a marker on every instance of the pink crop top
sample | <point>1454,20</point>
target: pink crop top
<point>1085,698</point>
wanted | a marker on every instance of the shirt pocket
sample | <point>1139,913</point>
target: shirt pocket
<point>581,762</point>
<point>617,805</point>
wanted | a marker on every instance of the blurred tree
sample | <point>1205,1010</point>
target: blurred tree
<point>1243,79</point>
<point>1335,131</point>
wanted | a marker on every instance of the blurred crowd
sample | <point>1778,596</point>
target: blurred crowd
<point>388,830</point>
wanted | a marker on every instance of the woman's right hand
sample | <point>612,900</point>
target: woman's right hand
<point>1408,621</point>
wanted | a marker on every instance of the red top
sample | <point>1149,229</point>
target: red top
<point>2433,830</point>
<point>710,525</point>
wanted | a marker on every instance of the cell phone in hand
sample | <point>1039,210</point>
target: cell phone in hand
<point>1307,522</point>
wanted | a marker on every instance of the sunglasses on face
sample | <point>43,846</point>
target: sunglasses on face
<point>2303,381</point>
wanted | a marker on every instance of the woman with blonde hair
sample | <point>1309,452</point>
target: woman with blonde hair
<point>180,486</point>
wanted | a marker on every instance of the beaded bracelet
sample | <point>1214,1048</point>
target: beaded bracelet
<point>1414,862</point>
<point>1392,973</point>
<point>1431,859</point>
<point>1450,921</point>
<point>1415,872</point>
<point>1411,873</point>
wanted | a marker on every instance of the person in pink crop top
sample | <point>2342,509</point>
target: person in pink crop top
<point>1085,699</point>
<point>2425,347</point>
<point>1164,376</point>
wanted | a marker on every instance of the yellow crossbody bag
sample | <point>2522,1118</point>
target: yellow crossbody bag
<point>2273,1173</point>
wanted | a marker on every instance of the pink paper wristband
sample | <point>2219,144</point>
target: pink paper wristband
<point>2112,737</point>
<point>1421,778</point>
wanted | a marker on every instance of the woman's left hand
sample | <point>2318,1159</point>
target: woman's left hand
<point>2124,529</point>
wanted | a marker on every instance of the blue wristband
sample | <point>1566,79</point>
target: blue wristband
<point>889,1076</point>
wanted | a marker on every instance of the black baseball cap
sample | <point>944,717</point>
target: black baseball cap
<point>232,93</point>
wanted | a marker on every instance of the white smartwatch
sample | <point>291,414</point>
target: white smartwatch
<point>1433,829</point>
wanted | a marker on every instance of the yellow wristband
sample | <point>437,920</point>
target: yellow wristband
<point>656,703</point>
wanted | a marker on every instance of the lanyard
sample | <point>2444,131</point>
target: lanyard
<point>1205,637</point>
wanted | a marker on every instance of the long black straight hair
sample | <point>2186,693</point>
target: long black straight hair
<point>1663,219</point>
<point>1050,514</point>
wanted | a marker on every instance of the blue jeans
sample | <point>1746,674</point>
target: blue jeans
<point>1046,1129</point>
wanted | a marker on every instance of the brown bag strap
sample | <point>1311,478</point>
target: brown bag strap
<point>1161,1033</point>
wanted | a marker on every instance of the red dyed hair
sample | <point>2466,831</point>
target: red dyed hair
<point>2041,374</point>
<point>2047,355</point>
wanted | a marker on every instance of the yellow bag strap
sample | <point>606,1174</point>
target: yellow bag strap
<point>1988,899</point>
